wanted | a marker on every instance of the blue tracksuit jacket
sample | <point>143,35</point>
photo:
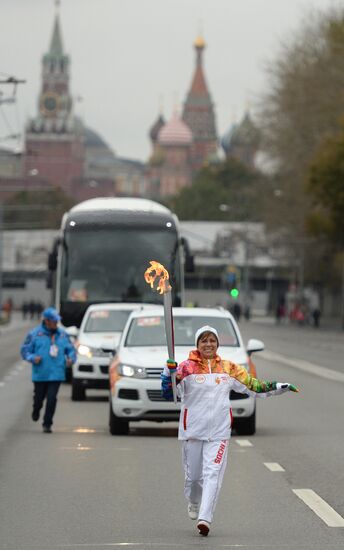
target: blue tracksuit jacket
<point>38,342</point>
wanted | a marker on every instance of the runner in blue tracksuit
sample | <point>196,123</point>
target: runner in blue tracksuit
<point>49,349</point>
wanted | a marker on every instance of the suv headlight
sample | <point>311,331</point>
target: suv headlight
<point>87,351</point>
<point>132,372</point>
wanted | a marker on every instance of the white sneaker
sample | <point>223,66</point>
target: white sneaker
<point>193,510</point>
<point>203,527</point>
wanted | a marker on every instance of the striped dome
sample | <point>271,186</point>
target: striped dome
<point>175,132</point>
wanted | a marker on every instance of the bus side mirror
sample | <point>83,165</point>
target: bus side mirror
<point>52,261</point>
<point>189,264</point>
<point>188,257</point>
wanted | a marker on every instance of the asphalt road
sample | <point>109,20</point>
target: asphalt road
<point>82,488</point>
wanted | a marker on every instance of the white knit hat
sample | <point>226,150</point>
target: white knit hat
<point>201,331</point>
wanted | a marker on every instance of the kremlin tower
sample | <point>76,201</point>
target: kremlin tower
<point>199,114</point>
<point>54,138</point>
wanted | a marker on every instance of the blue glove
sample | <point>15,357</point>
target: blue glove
<point>166,387</point>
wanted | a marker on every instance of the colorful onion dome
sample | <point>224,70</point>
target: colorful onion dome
<point>175,132</point>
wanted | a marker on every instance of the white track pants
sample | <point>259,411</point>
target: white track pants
<point>204,465</point>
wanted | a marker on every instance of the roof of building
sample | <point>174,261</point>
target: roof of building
<point>175,132</point>
<point>199,88</point>
<point>93,139</point>
<point>56,45</point>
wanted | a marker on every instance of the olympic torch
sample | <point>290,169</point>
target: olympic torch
<point>158,271</point>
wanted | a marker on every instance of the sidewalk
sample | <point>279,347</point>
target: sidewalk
<point>17,322</point>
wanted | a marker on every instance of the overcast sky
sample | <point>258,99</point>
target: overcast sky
<point>127,54</point>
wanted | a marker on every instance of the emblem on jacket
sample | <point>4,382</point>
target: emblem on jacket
<point>220,379</point>
<point>200,378</point>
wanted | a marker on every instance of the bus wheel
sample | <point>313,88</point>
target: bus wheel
<point>117,425</point>
<point>78,391</point>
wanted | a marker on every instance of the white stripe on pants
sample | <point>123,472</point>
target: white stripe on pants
<point>204,465</point>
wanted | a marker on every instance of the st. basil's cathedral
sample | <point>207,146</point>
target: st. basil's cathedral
<point>60,151</point>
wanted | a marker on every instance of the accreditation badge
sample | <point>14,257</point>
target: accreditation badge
<point>53,352</point>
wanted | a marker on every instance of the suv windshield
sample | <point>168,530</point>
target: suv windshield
<point>150,331</point>
<point>104,320</point>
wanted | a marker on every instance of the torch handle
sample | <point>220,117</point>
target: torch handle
<point>169,329</point>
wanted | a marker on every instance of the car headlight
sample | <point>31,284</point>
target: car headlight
<point>133,372</point>
<point>86,351</point>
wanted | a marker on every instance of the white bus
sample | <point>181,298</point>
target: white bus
<point>103,250</point>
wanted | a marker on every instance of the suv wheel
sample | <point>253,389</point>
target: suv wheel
<point>78,391</point>
<point>246,426</point>
<point>117,425</point>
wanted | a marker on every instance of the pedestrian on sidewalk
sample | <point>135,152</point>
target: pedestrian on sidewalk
<point>49,349</point>
<point>204,382</point>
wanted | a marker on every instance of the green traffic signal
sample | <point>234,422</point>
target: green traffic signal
<point>234,292</point>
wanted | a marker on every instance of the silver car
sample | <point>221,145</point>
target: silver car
<point>98,337</point>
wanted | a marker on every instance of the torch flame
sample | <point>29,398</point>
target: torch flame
<point>155,271</point>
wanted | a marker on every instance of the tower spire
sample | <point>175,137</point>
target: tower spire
<point>199,113</point>
<point>56,47</point>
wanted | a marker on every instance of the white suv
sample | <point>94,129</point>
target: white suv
<point>98,337</point>
<point>135,385</point>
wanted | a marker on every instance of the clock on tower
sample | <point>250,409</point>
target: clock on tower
<point>49,104</point>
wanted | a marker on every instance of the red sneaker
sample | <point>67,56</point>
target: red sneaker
<point>203,527</point>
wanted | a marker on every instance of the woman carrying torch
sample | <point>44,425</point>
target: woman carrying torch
<point>203,383</point>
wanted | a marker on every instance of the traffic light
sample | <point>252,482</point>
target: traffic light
<point>233,279</point>
<point>234,293</point>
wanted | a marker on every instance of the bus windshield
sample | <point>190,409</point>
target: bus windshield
<point>108,263</point>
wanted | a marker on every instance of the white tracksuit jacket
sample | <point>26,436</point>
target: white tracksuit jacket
<point>204,387</point>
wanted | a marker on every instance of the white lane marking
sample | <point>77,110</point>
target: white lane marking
<point>274,467</point>
<point>158,544</point>
<point>113,544</point>
<point>320,507</point>
<point>78,448</point>
<point>306,366</point>
<point>244,442</point>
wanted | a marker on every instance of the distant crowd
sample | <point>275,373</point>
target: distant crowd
<point>32,309</point>
<point>300,313</point>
